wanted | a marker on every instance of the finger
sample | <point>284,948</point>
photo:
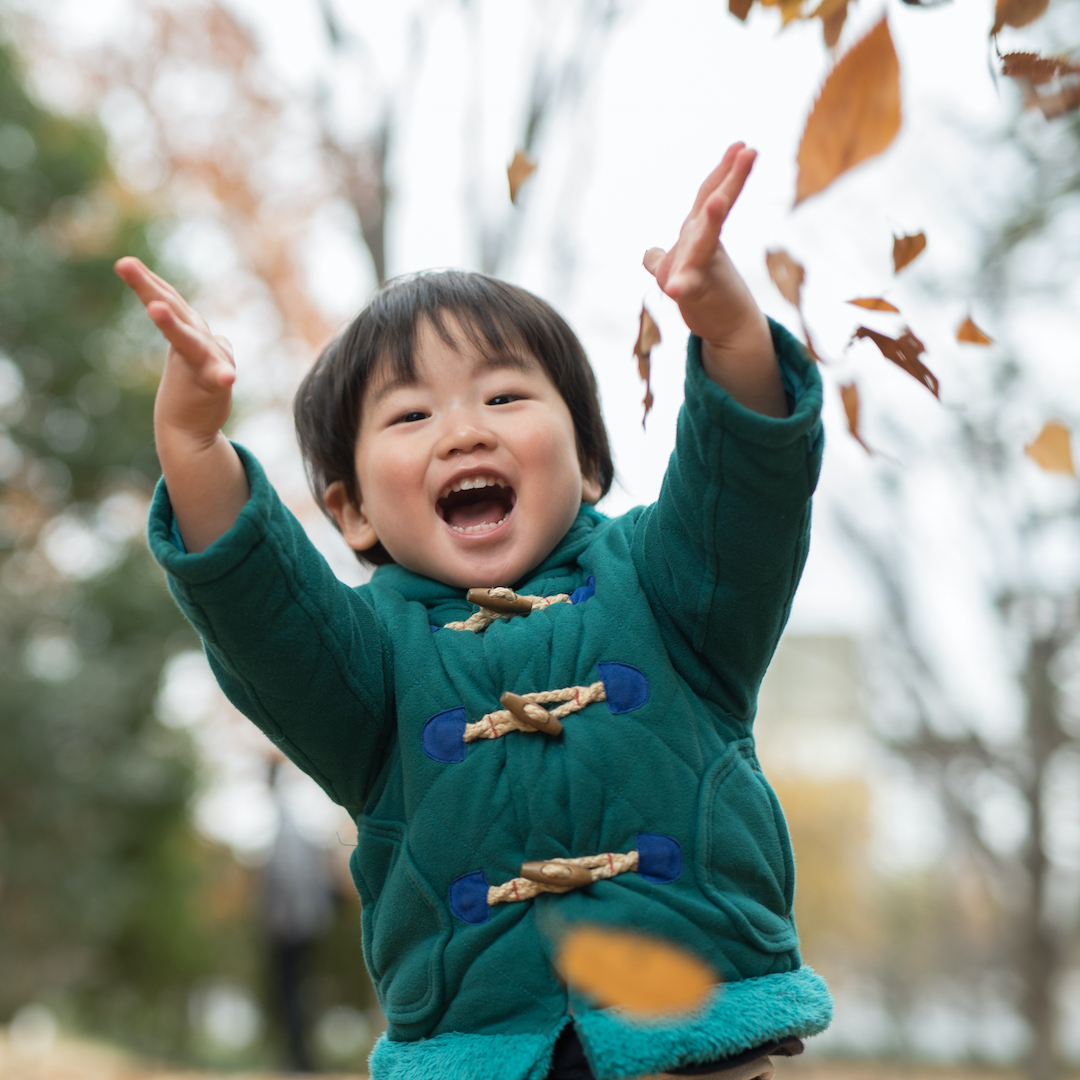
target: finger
<point>717,176</point>
<point>653,258</point>
<point>719,204</point>
<point>226,344</point>
<point>149,287</point>
<point>195,347</point>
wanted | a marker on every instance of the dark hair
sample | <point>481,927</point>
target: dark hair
<point>495,318</point>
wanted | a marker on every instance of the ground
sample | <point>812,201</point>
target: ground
<point>72,1060</point>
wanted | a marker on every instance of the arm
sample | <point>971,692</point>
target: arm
<point>720,553</point>
<point>296,651</point>
<point>206,480</point>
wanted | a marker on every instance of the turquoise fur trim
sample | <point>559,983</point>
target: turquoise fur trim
<point>464,1057</point>
<point>741,1015</point>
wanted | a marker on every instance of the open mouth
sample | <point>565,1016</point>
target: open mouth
<point>476,504</point>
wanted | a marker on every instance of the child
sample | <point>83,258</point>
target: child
<point>453,433</point>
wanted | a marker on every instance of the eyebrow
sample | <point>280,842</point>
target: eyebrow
<point>505,361</point>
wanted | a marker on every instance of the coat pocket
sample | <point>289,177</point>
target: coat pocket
<point>744,859</point>
<point>405,926</point>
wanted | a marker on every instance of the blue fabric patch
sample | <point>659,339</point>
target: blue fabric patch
<point>433,628</point>
<point>468,897</point>
<point>626,688</point>
<point>443,737</point>
<point>659,857</point>
<point>586,592</point>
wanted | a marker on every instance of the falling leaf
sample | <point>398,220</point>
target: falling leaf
<point>903,351</point>
<point>874,303</point>
<point>1035,68</point>
<point>790,10</point>
<point>856,115</point>
<point>970,333</point>
<point>740,8</point>
<point>648,336</point>
<point>518,171</point>
<point>633,972</point>
<point>906,249</point>
<point>833,15</point>
<point>1051,450</point>
<point>1017,12</point>
<point>1053,105</point>
<point>787,275</point>
<point>849,394</point>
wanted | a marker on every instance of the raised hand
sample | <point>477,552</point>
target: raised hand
<point>716,305</point>
<point>205,478</point>
<point>195,394</point>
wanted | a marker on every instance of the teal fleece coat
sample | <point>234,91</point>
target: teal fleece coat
<point>678,608</point>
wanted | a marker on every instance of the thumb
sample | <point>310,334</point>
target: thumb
<point>652,260</point>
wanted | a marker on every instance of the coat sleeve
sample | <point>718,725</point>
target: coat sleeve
<point>294,649</point>
<point>721,551</point>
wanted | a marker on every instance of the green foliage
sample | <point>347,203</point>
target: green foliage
<point>104,910</point>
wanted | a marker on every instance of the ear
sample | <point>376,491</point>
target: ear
<point>353,524</point>
<point>590,489</point>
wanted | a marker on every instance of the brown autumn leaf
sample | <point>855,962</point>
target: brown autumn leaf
<point>1053,104</point>
<point>1037,69</point>
<point>970,333</point>
<point>833,15</point>
<point>874,303</point>
<point>787,275</point>
<point>740,8</point>
<point>856,115</point>
<point>906,249</point>
<point>518,171</point>
<point>790,10</point>
<point>1052,450</point>
<point>849,394</point>
<point>634,972</point>
<point>903,351</point>
<point>648,336</point>
<point>1017,12</point>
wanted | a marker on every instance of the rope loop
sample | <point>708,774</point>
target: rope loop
<point>605,865</point>
<point>480,620</point>
<point>573,698</point>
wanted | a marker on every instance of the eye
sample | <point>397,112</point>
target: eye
<point>504,399</point>
<point>411,417</point>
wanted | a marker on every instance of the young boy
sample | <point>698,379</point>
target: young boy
<point>575,746</point>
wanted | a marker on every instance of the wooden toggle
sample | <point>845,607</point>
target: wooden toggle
<point>536,716</point>
<point>556,873</point>
<point>511,604</point>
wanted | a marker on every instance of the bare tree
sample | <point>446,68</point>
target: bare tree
<point>1024,533</point>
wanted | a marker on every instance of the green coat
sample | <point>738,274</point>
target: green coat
<point>681,604</point>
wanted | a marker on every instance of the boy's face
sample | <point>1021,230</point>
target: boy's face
<point>469,474</point>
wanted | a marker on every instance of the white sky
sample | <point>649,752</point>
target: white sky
<point>674,83</point>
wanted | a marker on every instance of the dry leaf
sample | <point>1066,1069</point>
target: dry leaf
<point>787,275</point>
<point>1052,450</point>
<point>874,303</point>
<point>906,249</point>
<point>903,351</point>
<point>1052,105</point>
<point>633,972</point>
<point>833,15</point>
<point>740,8</point>
<point>856,115</point>
<point>518,171</point>
<point>790,10</point>
<point>1017,12</point>
<point>849,394</point>
<point>1035,68</point>
<point>648,336</point>
<point>970,333</point>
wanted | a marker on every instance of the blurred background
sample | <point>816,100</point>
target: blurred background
<point>169,888</point>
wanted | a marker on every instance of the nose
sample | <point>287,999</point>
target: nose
<point>465,434</point>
